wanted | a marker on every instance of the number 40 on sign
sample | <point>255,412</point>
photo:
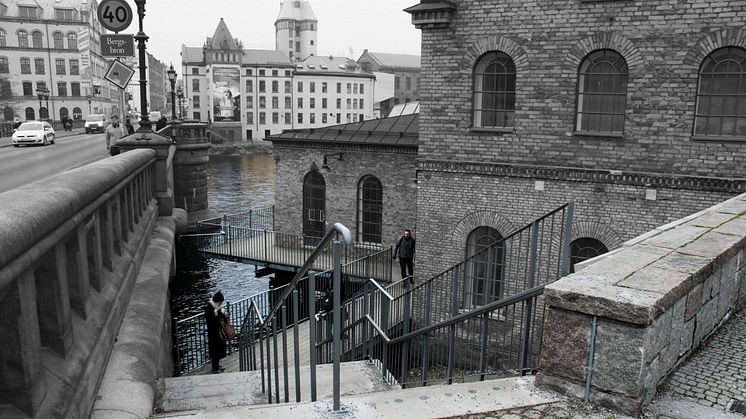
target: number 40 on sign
<point>115,15</point>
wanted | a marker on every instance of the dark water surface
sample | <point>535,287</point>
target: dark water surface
<point>235,184</point>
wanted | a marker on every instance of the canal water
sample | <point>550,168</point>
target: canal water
<point>235,184</point>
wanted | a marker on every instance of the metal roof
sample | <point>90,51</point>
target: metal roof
<point>296,10</point>
<point>395,60</point>
<point>398,131</point>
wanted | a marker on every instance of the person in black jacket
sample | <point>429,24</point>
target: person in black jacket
<point>215,344</point>
<point>405,251</point>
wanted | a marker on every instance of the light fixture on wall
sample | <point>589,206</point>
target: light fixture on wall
<point>325,166</point>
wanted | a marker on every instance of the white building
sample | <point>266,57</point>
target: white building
<point>295,30</point>
<point>52,45</point>
<point>251,94</point>
<point>331,90</point>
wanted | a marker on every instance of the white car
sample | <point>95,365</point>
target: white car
<point>33,132</point>
<point>95,123</point>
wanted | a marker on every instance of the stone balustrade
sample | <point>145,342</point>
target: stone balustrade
<point>654,301</point>
<point>71,248</point>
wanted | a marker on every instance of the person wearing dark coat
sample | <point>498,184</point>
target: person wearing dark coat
<point>130,128</point>
<point>405,251</point>
<point>215,344</point>
<point>161,123</point>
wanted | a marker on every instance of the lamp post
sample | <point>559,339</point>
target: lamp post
<point>172,79</point>
<point>89,97</point>
<point>180,95</point>
<point>43,94</point>
<point>145,124</point>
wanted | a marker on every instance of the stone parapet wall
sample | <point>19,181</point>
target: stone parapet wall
<point>655,301</point>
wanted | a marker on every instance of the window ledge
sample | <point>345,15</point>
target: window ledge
<point>507,130</point>
<point>594,134</point>
<point>713,138</point>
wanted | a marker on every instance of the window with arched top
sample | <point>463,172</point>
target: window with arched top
<point>602,93</point>
<point>64,113</point>
<point>8,113</point>
<point>77,113</point>
<point>38,39</point>
<point>22,39</point>
<point>58,40</point>
<point>483,275</point>
<point>494,91</point>
<point>72,40</point>
<point>585,248</point>
<point>369,210</point>
<point>721,97</point>
<point>30,115</point>
<point>314,207</point>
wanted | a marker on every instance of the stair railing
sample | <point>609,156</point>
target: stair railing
<point>266,330</point>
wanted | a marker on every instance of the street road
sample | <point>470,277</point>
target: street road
<point>26,164</point>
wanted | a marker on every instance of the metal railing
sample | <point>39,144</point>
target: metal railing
<point>534,255</point>
<point>260,333</point>
<point>191,332</point>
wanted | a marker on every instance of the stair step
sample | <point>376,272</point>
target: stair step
<point>214,391</point>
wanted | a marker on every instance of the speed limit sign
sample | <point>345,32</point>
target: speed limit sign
<point>114,15</point>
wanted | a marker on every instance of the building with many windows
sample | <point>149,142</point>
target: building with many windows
<point>638,116</point>
<point>51,49</point>
<point>250,94</point>
<point>405,70</point>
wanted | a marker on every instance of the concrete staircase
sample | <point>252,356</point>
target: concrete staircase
<point>364,395</point>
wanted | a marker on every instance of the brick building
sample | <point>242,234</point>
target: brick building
<point>405,70</point>
<point>360,174</point>
<point>635,112</point>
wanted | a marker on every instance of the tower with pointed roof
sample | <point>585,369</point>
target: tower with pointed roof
<point>295,29</point>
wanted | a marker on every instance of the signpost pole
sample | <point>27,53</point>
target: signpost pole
<point>145,125</point>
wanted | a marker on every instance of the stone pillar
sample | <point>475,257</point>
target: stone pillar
<point>163,147</point>
<point>190,168</point>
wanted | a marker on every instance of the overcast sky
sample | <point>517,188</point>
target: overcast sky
<point>378,25</point>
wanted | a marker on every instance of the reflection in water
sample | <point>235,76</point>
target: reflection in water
<point>234,184</point>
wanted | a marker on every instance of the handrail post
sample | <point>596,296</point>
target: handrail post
<point>529,303</point>
<point>491,276</point>
<point>385,304</point>
<point>337,342</point>
<point>567,238</point>
<point>312,331</point>
<point>452,328</point>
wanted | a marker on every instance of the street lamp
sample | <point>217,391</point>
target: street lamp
<point>180,95</point>
<point>145,124</point>
<point>43,93</point>
<point>172,78</point>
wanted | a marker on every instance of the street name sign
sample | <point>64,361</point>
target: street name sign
<point>117,46</point>
<point>114,15</point>
<point>119,74</point>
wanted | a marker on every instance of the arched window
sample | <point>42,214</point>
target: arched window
<point>2,38</point>
<point>585,248</point>
<point>602,93</point>
<point>43,113</point>
<point>37,39</point>
<point>369,209</point>
<point>72,40</point>
<point>22,39</point>
<point>59,40</point>
<point>721,99</point>
<point>314,207</point>
<point>64,113</point>
<point>77,113</point>
<point>479,274</point>
<point>494,91</point>
<point>30,115</point>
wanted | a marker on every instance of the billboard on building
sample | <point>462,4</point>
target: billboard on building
<point>84,46</point>
<point>226,94</point>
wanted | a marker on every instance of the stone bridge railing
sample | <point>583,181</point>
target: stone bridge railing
<point>649,305</point>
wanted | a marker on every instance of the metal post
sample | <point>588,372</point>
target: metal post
<point>141,38</point>
<point>296,345</point>
<point>337,341</point>
<point>452,328</point>
<point>567,238</point>
<point>312,331</point>
<point>485,318</point>
<point>407,320</point>
<point>529,303</point>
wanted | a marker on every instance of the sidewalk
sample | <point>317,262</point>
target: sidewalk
<point>6,141</point>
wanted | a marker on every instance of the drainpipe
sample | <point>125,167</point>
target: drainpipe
<point>589,367</point>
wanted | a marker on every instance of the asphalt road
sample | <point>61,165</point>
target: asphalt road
<point>26,164</point>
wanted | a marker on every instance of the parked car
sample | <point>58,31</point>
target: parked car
<point>33,132</point>
<point>95,123</point>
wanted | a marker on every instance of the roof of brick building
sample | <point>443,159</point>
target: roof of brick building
<point>399,131</point>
